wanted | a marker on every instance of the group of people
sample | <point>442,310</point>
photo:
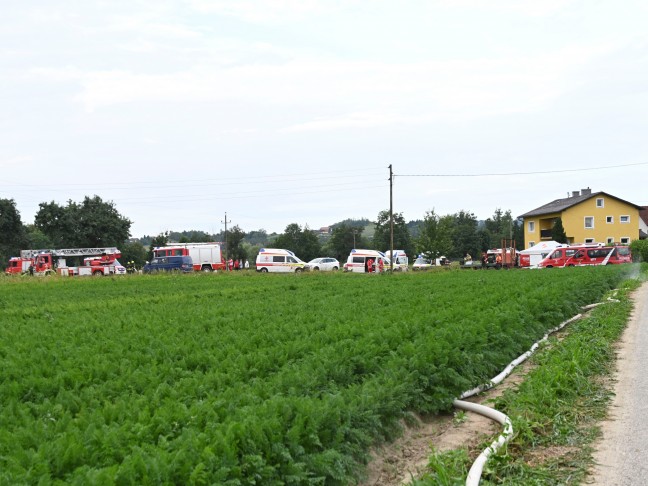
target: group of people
<point>237,264</point>
<point>373,267</point>
<point>486,259</point>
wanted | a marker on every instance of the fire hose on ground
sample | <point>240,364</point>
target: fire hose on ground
<point>474,475</point>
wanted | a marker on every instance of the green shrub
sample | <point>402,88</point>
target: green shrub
<point>639,249</point>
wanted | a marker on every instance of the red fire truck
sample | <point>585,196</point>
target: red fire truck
<point>207,257</point>
<point>96,261</point>
<point>18,265</point>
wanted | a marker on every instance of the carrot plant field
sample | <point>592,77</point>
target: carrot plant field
<point>251,379</point>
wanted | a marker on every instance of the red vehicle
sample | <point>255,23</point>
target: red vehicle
<point>46,262</point>
<point>606,255</point>
<point>207,257</point>
<point>18,265</point>
<point>580,255</point>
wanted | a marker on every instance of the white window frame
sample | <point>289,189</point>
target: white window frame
<point>627,240</point>
<point>531,226</point>
<point>610,240</point>
<point>531,244</point>
<point>610,218</point>
<point>601,201</point>
<point>585,222</point>
<point>624,216</point>
<point>589,240</point>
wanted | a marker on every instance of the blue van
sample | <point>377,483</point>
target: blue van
<point>169,264</point>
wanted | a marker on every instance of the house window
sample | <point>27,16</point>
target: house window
<point>624,219</point>
<point>625,240</point>
<point>600,202</point>
<point>589,222</point>
<point>589,240</point>
<point>531,243</point>
<point>609,219</point>
<point>531,226</point>
<point>610,240</point>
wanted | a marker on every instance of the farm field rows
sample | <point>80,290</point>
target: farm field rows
<point>247,378</point>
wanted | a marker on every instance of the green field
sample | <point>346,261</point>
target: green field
<point>247,378</point>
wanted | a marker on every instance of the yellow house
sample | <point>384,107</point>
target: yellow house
<point>587,217</point>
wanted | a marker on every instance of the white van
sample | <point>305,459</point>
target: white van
<point>360,260</point>
<point>400,259</point>
<point>278,260</point>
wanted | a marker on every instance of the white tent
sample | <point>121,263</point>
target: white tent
<point>537,252</point>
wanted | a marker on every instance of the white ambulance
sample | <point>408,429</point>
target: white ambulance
<point>400,259</point>
<point>365,261</point>
<point>278,260</point>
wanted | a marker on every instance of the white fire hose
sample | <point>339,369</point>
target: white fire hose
<point>474,475</point>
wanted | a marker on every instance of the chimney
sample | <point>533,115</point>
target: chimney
<point>575,193</point>
<point>586,192</point>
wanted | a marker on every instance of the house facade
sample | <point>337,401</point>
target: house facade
<point>588,217</point>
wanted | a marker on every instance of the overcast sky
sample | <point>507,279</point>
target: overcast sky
<point>290,111</point>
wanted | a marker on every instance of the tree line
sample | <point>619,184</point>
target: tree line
<point>97,223</point>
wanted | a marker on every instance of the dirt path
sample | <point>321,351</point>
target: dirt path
<point>622,453</point>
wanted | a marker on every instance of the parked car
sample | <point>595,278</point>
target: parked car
<point>324,264</point>
<point>421,263</point>
<point>169,264</point>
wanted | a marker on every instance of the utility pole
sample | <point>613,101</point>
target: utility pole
<point>391,220</point>
<point>226,248</point>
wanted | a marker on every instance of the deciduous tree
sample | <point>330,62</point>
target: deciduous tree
<point>91,223</point>
<point>465,237</point>
<point>435,238</point>
<point>12,232</point>
<point>382,234</point>
<point>303,243</point>
<point>343,239</point>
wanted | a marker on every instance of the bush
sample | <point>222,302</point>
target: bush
<point>639,249</point>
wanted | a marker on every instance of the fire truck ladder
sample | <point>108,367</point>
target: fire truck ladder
<point>70,252</point>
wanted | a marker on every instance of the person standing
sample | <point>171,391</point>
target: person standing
<point>370,265</point>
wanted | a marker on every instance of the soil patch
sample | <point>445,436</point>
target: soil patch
<point>399,462</point>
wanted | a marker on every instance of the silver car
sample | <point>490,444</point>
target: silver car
<point>324,264</point>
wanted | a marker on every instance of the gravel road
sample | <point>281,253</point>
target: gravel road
<point>622,454</point>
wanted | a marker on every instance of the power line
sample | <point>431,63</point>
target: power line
<point>495,174</point>
<point>260,179</point>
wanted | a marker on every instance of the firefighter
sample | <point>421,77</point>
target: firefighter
<point>31,269</point>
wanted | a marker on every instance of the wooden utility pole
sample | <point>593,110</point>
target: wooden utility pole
<point>226,248</point>
<point>391,220</point>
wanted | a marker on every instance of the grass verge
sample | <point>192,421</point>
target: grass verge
<point>557,409</point>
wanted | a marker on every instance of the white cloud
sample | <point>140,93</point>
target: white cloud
<point>266,11</point>
<point>15,162</point>
<point>382,93</point>
<point>522,7</point>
